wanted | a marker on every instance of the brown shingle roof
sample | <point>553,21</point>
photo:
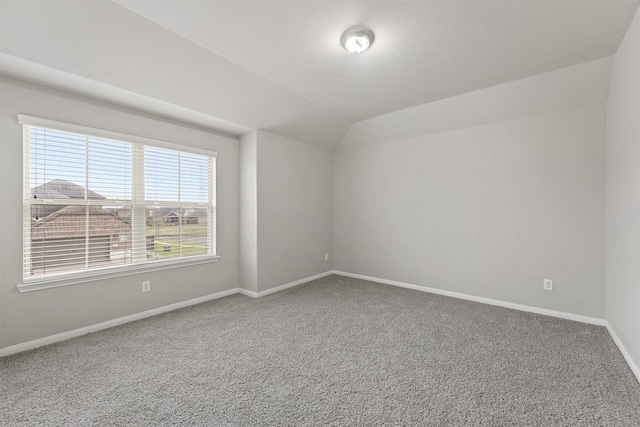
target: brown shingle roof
<point>63,189</point>
<point>70,221</point>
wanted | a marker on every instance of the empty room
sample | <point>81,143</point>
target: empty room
<point>320,212</point>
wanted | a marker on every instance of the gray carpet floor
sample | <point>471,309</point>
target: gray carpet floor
<point>336,351</point>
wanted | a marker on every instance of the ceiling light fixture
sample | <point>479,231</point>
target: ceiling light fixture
<point>357,39</point>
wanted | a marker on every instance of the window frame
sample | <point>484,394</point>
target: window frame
<point>137,201</point>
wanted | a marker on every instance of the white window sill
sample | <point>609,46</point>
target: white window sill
<point>67,279</point>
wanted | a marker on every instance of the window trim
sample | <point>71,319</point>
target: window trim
<point>78,277</point>
<point>23,119</point>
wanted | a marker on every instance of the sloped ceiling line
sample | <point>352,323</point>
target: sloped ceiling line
<point>277,65</point>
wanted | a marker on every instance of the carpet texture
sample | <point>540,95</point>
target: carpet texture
<point>335,351</point>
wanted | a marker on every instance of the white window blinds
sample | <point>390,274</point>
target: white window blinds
<point>96,201</point>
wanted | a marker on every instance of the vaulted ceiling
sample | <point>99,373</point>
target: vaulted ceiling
<point>278,65</point>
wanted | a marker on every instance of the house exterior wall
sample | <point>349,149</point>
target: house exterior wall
<point>69,253</point>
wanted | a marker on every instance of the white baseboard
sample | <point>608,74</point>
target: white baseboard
<point>616,339</point>
<point>248,293</point>
<point>7,351</point>
<point>563,315</point>
<point>499,303</point>
<point>266,292</point>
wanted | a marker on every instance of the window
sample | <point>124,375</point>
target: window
<point>99,203</point>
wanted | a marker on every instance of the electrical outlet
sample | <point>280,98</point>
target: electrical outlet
<point>547,284</point>
<point>146,286</point>
<point>326,256</point>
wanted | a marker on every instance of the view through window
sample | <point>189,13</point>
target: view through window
<point>94,204</point>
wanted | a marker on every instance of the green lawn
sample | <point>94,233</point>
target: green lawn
<point>167,235</point>
<point>190,249</point>
<point>168,230</point>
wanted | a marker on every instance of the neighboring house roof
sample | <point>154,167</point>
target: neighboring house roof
<point>58,189</point>
<point>161,211</point>
<point>70,221</point>
<point>63,221</point>
<point>125,212</point>
<point>80,210</point>
<point>194,212</point>
<point>199,212</point>
<point>48,193</point>
<point>63,189</point>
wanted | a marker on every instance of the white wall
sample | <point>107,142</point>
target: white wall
<point>28,316</point>
<point>623,195</point>
<point>100,48</point>
<point>295,210</point>
<point>561,89</point>
<point>248,206</point>
<point>487,210</point>
<point>286,210</point>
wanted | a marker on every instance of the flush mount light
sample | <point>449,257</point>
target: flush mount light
<point>357,39</point>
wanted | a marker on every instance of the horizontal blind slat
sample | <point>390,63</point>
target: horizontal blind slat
<point>79,205</point>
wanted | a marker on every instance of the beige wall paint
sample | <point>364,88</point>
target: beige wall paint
<point>488,210</point>
<point>623,194</point>
<point>28,316</point>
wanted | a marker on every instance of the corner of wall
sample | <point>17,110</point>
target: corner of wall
<point>622,288</point>
<point>248,213</point>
